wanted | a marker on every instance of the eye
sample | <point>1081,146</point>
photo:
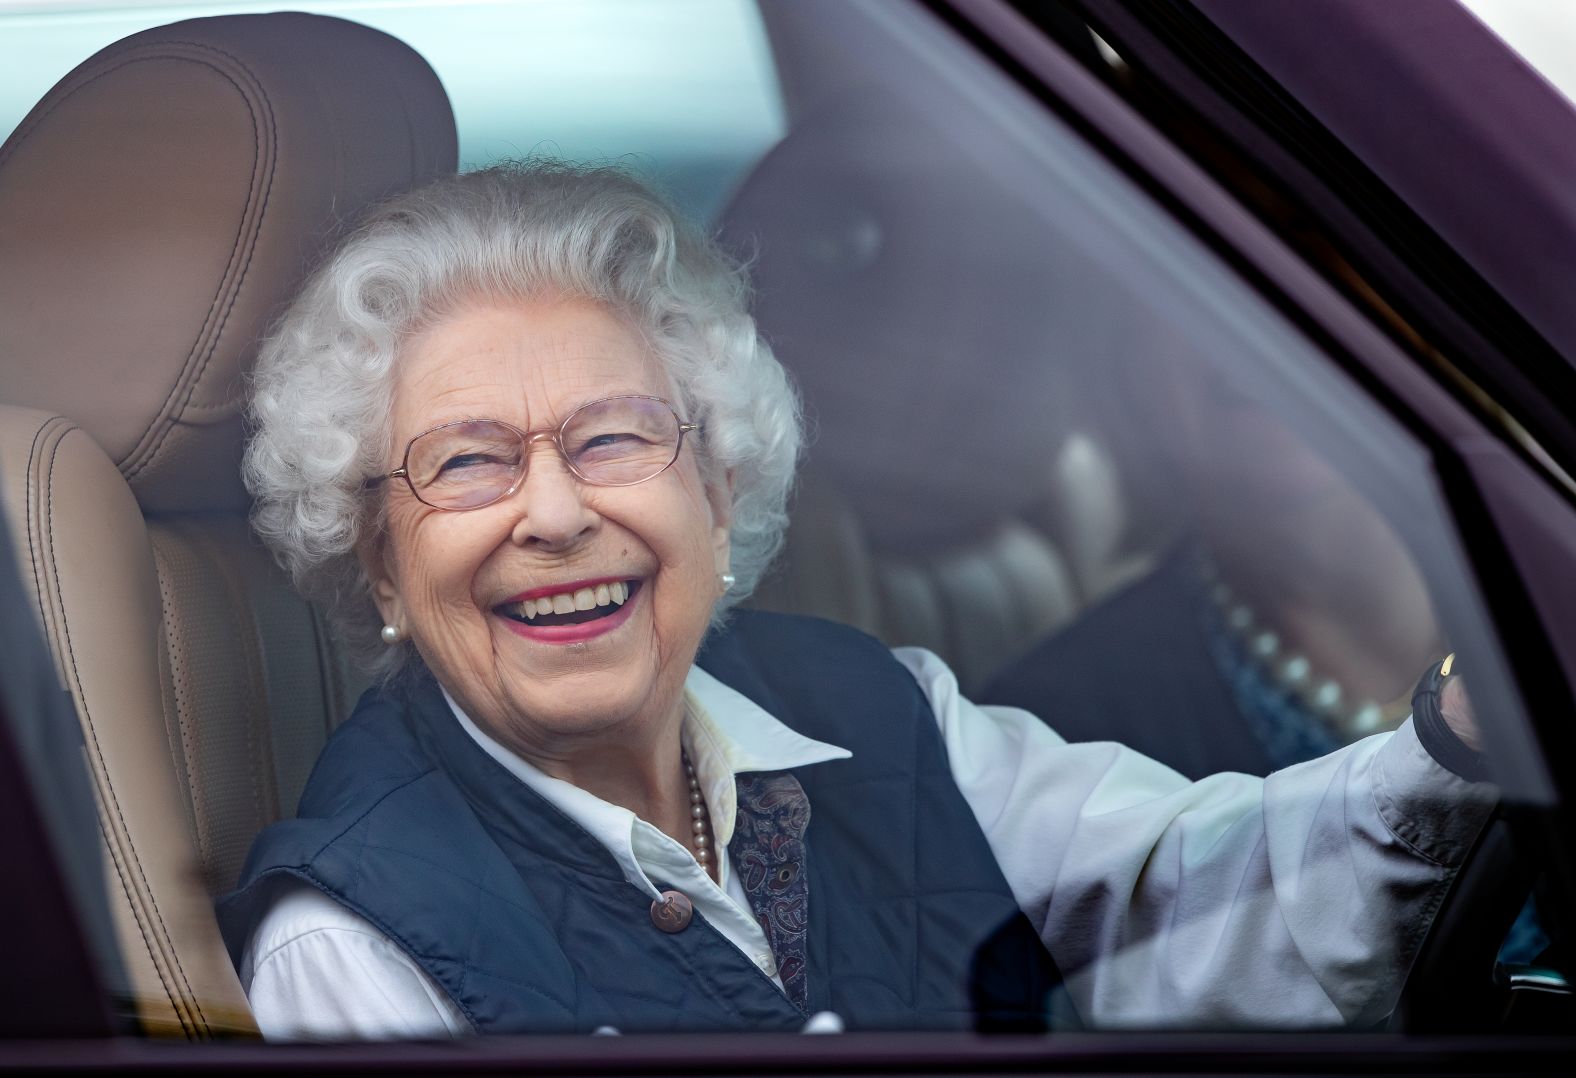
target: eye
<point>610,442</point>
<point>469,460</point>
<point>477,465</point>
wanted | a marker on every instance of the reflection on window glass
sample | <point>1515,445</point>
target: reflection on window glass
<point>1149,582</point>
<point>1280,615</point>
<point>1075,458</point>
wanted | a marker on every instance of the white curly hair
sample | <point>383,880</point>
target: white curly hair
<point>321,390</point>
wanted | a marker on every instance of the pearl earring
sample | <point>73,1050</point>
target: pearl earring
<point>727,580</point>
<point>391,634</point>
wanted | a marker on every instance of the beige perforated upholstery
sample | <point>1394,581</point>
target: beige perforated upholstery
<point>978,603</point>
<point>155,209</point>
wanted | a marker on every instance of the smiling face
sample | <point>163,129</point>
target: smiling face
<point>459,583</point>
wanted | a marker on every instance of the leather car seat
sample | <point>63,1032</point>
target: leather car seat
<point>155,209</point>
<point>950,498</point>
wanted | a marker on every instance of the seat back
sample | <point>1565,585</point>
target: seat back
<point>156,208</point>
<point>954,497</point>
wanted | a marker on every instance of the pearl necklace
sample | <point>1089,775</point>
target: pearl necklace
<point>699,818</point>
<point>1324,696</point>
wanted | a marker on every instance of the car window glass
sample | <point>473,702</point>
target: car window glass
<point>1164,400</point>
<point>1063,445</point>
<point>682,92</point>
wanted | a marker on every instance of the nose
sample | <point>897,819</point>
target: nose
<point>551,502</point>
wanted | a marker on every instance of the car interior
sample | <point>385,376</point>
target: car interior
<point>216,155</point>
<point>994,452</point>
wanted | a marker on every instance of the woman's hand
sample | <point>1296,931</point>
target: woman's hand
<point>1455,706</point>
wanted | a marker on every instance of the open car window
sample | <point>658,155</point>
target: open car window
<point>1066,446</point>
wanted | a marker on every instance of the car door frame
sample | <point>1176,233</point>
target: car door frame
<point>1473,455</point>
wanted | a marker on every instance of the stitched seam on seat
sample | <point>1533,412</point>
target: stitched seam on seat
<point>221,409</point>
<point>172,731</point>
<point>38,584</point>
<point>24,133</point>
<point>188,750</point>
<point>110,846</point>
<point>259,734</point>
<point>114,799</point>
<point>29,494</point>
<point>147,942</point>
<point>251,250</point>
<point>109,788</point>
<point>152,451</point>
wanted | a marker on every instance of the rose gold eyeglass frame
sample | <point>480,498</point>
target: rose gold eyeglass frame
<point>528,438</point>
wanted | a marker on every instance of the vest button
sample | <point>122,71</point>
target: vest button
<point>672,912</point>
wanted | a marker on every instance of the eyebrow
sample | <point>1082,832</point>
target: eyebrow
<point>578,404</point>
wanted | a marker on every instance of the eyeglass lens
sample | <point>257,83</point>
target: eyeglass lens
<point>615,442</point>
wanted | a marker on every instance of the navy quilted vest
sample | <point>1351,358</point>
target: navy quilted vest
<point>529,926</point>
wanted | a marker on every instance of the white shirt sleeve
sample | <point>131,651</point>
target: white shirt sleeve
<point>1296,900</point>
<point>314,970</point>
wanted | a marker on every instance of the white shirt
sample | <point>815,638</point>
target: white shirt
<point>1295,900</point>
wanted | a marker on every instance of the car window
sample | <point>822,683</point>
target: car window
<point>682,93</point>
<point>1113,398</point>
<point>1073,464</point>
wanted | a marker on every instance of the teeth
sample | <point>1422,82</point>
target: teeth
<point>567,602</point>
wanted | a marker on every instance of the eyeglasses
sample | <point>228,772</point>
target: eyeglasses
<point>613,442</point>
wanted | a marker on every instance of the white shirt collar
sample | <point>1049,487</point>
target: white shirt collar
<point>726,734</point>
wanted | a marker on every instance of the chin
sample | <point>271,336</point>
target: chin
<point>582,704</point>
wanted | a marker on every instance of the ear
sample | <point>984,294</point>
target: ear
<point>720,496</point>
<point>372,553</point>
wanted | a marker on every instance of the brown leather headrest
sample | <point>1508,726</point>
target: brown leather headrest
<point>928,308</point>
<point>164,199</point>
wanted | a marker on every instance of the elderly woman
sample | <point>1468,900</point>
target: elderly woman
<point>521,435</point>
